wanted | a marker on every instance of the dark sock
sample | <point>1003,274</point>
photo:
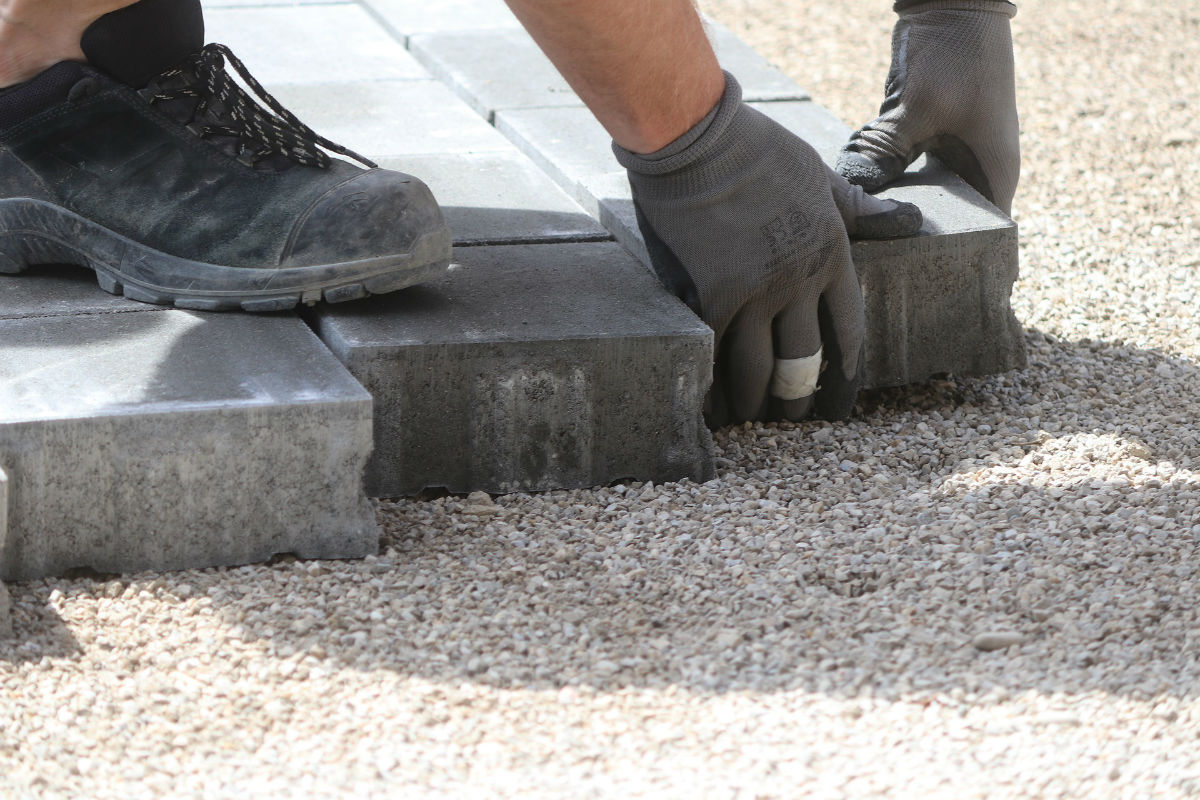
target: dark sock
<point>135,43</point>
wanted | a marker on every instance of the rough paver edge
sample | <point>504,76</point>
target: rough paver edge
<point>5,605</point>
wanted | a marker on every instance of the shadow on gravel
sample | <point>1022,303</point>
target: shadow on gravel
<point>38,630</point>
<point>1058,503</point>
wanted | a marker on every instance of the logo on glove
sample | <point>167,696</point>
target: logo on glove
<point>788,233</point>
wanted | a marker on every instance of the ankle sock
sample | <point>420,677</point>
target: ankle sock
<point>135,43</point>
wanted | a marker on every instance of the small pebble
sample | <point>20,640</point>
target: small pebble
<point>996,640</point>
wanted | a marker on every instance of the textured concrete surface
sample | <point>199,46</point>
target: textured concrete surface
<point>529,367</point>
<point>165,440</point>
<point>5,607</point>
<point>760,80</point>
<point>467,61</point>
<point>56,291</point>
<point>936,303</point>
<point>381,118</point>
<point>493,198</point>
<point>407,17</point>
<point>311,44</point>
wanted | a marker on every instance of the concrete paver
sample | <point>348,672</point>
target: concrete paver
<point>392,117</point>
<point>529,367</point>
<point>408,17</point>
<point>58,291</point>
<point>310,44</point>
<point>469,62</point>
<point>760,80</point>
<point>5,606</point>
<point>171,439</point>
<point>494,198</point>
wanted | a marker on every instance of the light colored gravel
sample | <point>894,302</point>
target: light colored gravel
<point>977,588</point>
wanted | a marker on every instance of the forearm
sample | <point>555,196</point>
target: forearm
<point>644,67</point>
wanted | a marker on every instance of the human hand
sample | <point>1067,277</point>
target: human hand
<point>740,220</point>
<point>950,92</point>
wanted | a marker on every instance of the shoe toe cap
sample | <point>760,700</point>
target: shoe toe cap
<point>376,214</point>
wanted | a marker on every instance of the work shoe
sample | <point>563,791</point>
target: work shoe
<point>176,187</point>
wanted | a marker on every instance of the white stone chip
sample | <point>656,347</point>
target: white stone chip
<point>996,640</point>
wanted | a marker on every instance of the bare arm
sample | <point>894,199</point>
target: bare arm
<point>644,67</point>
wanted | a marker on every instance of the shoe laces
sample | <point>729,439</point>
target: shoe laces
<point>206,99</point>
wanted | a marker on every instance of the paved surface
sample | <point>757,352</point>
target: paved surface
<point>548,358</point>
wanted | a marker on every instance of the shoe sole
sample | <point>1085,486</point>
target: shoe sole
<point>34,232</point>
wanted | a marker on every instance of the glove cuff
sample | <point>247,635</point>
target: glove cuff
<point>906,7</point>
<point>691,146</point>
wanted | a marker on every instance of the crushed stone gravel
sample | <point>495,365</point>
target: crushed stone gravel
<point>975,588</point>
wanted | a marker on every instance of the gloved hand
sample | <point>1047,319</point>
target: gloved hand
<point>950,92</point>
<point>741,222</point>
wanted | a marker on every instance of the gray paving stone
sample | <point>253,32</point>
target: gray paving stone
<point>936,303</point>
<point>467,62</point>
<point>172,439</point>
<point>5,606</point>
<point>760,80</point>
<point>495,198</point>
<point>408,17</point>
<point>529,368</point>
<point>57,291</point>
<point>392,118</point>
<point>311,44</point>
<point>568,144</point>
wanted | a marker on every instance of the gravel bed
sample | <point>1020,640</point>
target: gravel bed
<point>976,588</point>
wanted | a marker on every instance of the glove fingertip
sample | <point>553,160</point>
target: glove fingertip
<point>836,400</point>
<point>902,220</point>
<point>796,410</point>
<point>838,392</point>
<point>867,172</point>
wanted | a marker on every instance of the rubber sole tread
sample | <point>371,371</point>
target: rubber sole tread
<point>34,234</point>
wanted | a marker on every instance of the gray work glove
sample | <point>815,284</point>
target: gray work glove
<point>950,92</point>
<point>741,222</point>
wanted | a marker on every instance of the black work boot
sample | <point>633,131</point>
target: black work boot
<point>151,166</point>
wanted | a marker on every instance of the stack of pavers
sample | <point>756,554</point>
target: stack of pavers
<point>137,437</point>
